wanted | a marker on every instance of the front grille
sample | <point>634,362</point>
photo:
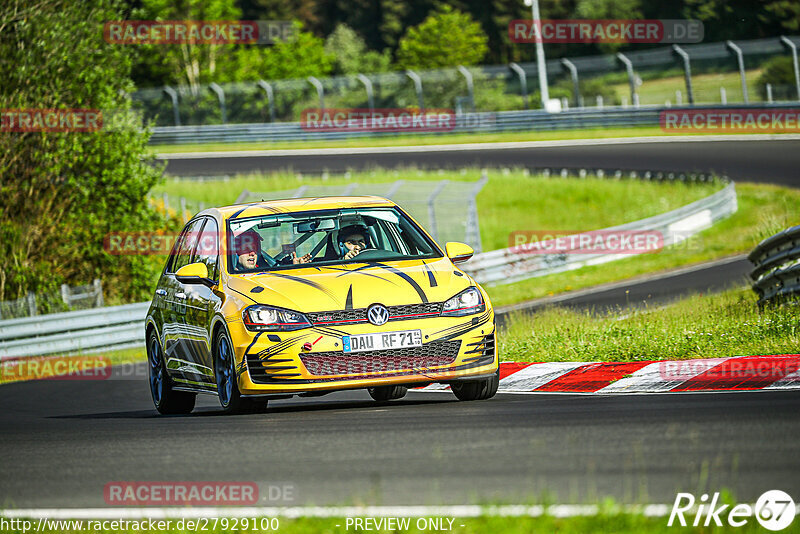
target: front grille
<point>359,315</point>
<point>436,353</point>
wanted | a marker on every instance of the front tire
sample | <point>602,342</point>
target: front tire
<point>230,398</point>
<point>166,400</point>
<point>483,389</point>
<point>387,393</point>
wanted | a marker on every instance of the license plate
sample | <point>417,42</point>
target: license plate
<point>384,341</point>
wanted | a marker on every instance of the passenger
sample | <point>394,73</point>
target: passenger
<point>247,247</point>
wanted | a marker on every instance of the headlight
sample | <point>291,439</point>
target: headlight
<point>273,319</point>
<point>467,302</point>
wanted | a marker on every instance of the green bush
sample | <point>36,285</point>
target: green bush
<point>778,72</point>
<point>62,193</point>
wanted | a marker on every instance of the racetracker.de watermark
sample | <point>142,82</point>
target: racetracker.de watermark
<point>264,32</point>
<point>378,120</point>
<point>764,120</point>
<point>126,493</point>
<point>78,367</point>
<point>50,120</point>
<point>566,31</point>
<point>68,120</point>
<point>733,370</point>
<point>591,242</point>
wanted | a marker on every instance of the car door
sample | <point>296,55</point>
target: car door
<point>200,303</point>
<point>179,364</point>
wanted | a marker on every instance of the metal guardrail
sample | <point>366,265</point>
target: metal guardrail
<point>113,327</point>
<point>777,266</point>
<point>502,121</point>
<point>507,265</point>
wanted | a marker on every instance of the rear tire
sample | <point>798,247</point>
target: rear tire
<point>225,375</point>
<point>166,400</point>
<point>387,393</point>
<point>470,390</point>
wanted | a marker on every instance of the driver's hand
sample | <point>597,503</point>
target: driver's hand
<point>301,259</point>
<point>352,254</point>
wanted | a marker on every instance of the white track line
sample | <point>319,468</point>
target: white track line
<point>477,146</point>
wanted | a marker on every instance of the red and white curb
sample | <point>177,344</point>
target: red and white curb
<point>739,373</point>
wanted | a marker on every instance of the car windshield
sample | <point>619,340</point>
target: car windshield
<point>327,237</point>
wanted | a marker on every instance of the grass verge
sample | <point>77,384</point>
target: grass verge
<point>721,325</point>
<point>763,210</point>
<point>704,86</point>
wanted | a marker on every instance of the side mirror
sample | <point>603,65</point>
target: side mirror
<point>194,273</point>
<point>458,252</point>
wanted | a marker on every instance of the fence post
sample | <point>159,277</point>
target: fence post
<point>166,204</point>
<point>242,196</point>
<point>723,95</point>
<point>267,87</point>
<point>173,95</point>
<point>793,48</point>
<point>523,82</point>
<point>221,97</point>
<point>470,87</point>
<point>769,93</point>
<point>432,209</point>
<point>740,60</point>
<point>631,77</point>
<point>417,87</point>
<point>98,288</point>
<point>31,304</point>
<point>368,86</point>
<point>65,293</point>
<point>687,72</point>
<point>393,188</point>
<point>183,210</point>
<point>320,90</point>
<point>473,227</point>
<point>573,73</point>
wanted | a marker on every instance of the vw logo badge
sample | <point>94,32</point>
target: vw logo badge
<point>377,314</point>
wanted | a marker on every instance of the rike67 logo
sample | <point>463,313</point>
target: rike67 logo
<point>774,510</point>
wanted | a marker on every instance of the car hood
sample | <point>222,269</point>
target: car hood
<point>355,285</point>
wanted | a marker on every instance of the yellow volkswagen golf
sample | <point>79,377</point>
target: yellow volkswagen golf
<point>313,295</point>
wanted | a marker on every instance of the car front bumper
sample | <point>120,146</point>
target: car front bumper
<point>453,348</point>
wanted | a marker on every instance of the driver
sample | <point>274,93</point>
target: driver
<point>352,240</point>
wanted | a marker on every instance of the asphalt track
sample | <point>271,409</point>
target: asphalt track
<point>752,160</point>
<point>63,441</point>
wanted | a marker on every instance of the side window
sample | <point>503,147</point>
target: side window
<point>208,248</point>
<point>185,248</point>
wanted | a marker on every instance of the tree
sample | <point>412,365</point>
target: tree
<point>61,193</point>
<point>187,63</point>
<point>446,38</point>
<point>351,55</point>
<point>303,55</point>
